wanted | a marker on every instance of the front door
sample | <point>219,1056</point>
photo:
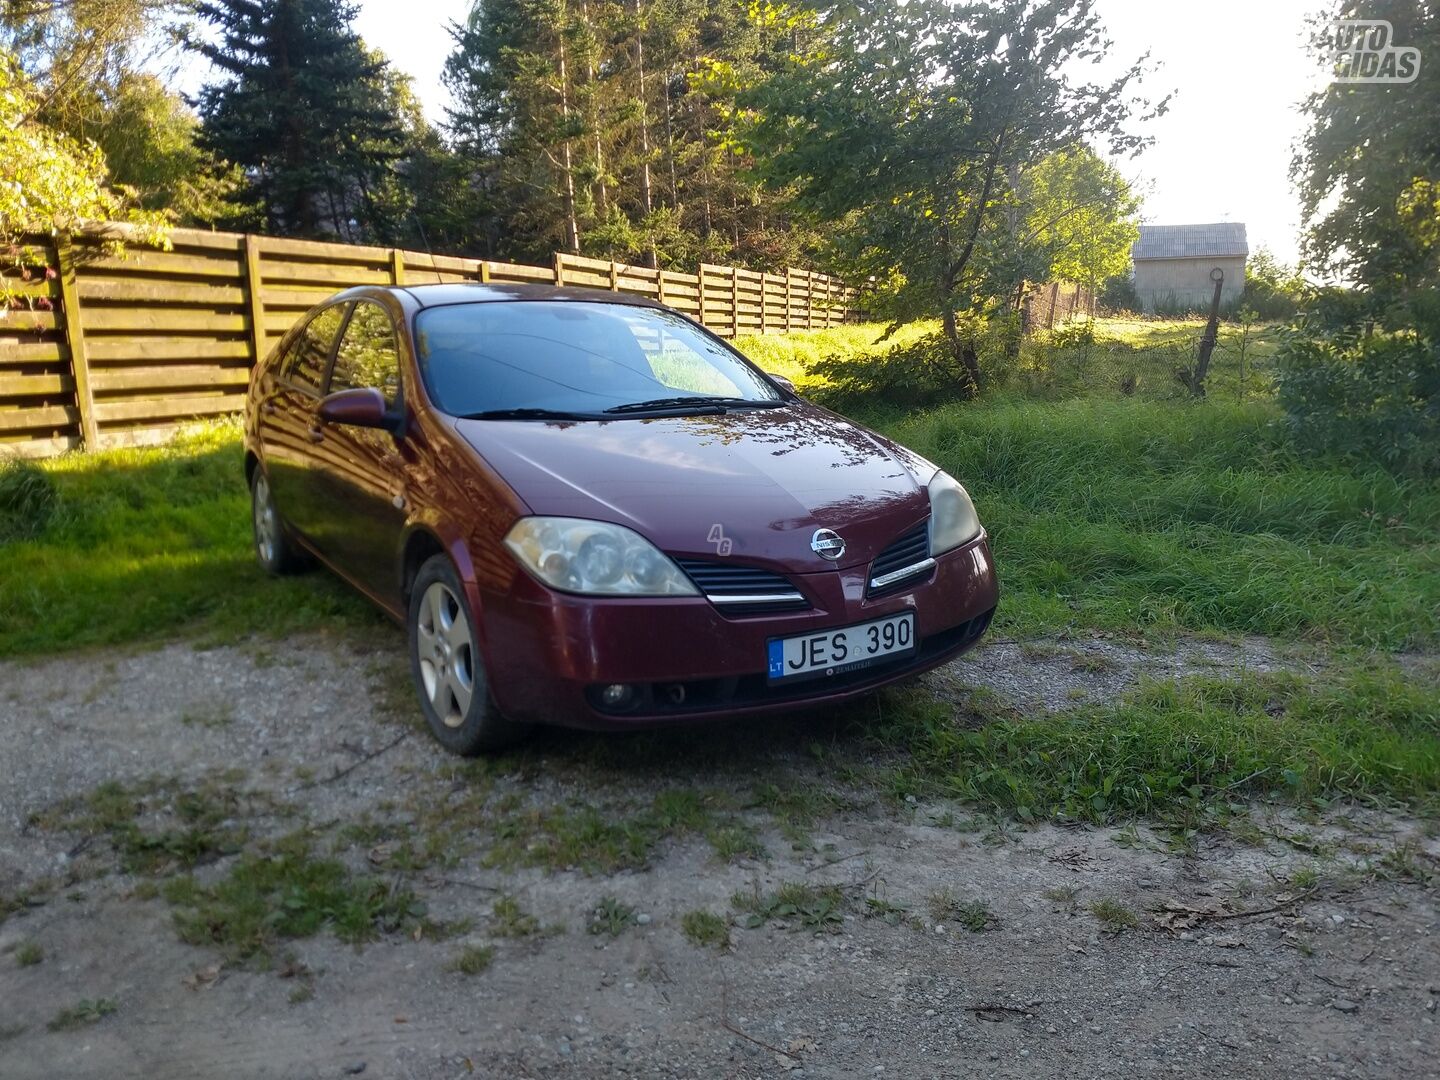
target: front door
<point>289,423</point>
<point>365,469</point>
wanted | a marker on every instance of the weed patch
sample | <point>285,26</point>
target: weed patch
<point>705,929</point>
<point>473,959</point>
<point>795,905</point>
<point>82,1014</point>
<point>286,892</point>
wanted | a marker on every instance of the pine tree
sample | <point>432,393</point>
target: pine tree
<point>304,111</point>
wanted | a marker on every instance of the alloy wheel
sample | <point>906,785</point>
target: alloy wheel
<point>447,654</point>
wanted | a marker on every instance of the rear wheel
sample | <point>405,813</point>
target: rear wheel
<point>449,671</point>
<point>273,546</point>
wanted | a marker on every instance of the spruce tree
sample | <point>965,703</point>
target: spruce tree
<point>304,111</point>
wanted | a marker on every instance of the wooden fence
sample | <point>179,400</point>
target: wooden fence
<point>100,351</point>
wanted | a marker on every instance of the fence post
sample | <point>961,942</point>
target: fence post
<point>484,267</point>
<point>1054,298</point>
<point>660,285</point>
<point>614,276</point>
<point>700,279</point>
<point>253,299</point>
<point>559,268</point>
<point>397,267</point>
<point>75,337</point>
<point>788,273</point>
<point>734,302</point>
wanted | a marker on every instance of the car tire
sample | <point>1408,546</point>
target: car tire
<point>448,668</point>
<point>274,549</point>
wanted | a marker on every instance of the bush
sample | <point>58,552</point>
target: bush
<point>1373,397</point>
<point>920,373</point>
<point>28,500</point>
<point>1118,294</point>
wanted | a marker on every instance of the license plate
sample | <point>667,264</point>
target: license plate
<point>831,652</point>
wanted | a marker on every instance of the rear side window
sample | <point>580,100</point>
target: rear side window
<point>368,355</point>
<point>305,366</point>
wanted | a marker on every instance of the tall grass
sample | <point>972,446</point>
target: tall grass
<point>1188,516</point>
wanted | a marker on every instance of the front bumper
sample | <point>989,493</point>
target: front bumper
<point>548,652</point>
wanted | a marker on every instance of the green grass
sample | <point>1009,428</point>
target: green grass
<point>793,355</point>
<point>611,917</point>
<point>705,929</point>
<point>152,544</point>
<point>82,1014</point>
<point>1185,751</point>
<point>1114,916</point>
<point>29,953</point>
<point>796,905</point>
<point>1128,514</point>
<point>283,891</point>
<point>473,959</point>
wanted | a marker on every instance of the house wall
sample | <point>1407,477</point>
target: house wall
<point>1177,282</point>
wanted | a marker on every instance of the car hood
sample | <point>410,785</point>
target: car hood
<point>750,484</point>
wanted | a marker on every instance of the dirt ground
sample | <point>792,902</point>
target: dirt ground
<point>955,945</point>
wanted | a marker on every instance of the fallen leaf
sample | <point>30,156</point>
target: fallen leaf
<point>203,979</point>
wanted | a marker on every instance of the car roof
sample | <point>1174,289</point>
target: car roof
<point>468,292</point>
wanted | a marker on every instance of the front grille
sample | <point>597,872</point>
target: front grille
<point>737,589</point>
<point>899,564</point>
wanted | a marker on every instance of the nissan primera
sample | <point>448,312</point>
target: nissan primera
<point>588,510</point>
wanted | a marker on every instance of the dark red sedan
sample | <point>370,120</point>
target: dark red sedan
<point>588,510</point>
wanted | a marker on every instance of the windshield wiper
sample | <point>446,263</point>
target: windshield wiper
<point>708,402</point>
<point>527,414</point>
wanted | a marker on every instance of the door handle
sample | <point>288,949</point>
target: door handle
<point>315,435</point>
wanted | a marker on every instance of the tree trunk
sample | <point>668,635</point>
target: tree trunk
<point>646,202</point>
<point>601,194</point>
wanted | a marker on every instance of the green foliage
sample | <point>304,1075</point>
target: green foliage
<point>608,127</point>
<point>1114,916</point>
<point>1273,291</point>
<point>28,500</point>
<point>1079,217</point>
<point>797,906</point>
<point>304,109</point>
<point>473,959</point>
<point>611,917</point>
<point>82,1014</point>
<point>1118,294</point>
<point>286,893</point>
<point>705,929</point>
<point>50,182</point>
<point>1368,396</point>
<point>150,140</point>
<point>924,372</point>
<point>29,953</point>
<point>909,130</point>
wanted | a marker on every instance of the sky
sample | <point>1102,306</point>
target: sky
<point>1222,152</point>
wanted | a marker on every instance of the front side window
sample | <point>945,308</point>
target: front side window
<point>574,357</point>
<point>305,366</point>
<point>368,355</point>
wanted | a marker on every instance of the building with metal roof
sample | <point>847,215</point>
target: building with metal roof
<point>1174,265</point>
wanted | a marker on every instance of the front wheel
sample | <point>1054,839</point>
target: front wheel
<point>447,666</point>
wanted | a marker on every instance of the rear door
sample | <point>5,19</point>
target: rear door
<point>364,470</point>
<point>289,421</point>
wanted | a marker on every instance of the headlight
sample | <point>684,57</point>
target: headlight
<point>953,520</point>
<point>594,557</point>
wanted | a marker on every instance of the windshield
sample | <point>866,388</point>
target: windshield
<point>569,357</point>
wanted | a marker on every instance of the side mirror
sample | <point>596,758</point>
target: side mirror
<point>362,407</point>
<point>783,381</point>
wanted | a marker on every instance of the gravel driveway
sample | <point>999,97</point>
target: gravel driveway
<point>866,935</point>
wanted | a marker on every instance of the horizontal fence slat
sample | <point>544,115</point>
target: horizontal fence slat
<point>20,386</point>
<point>110,412</point>
<point>112,379</point>
<point>107,348</point>
<point>51,416</point>
<point>36,352</point>
<point>161,320</point>
<point>158,291</point>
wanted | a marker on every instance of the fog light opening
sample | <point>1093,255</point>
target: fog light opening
<point>675,693</point>
<point>618,695</point>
